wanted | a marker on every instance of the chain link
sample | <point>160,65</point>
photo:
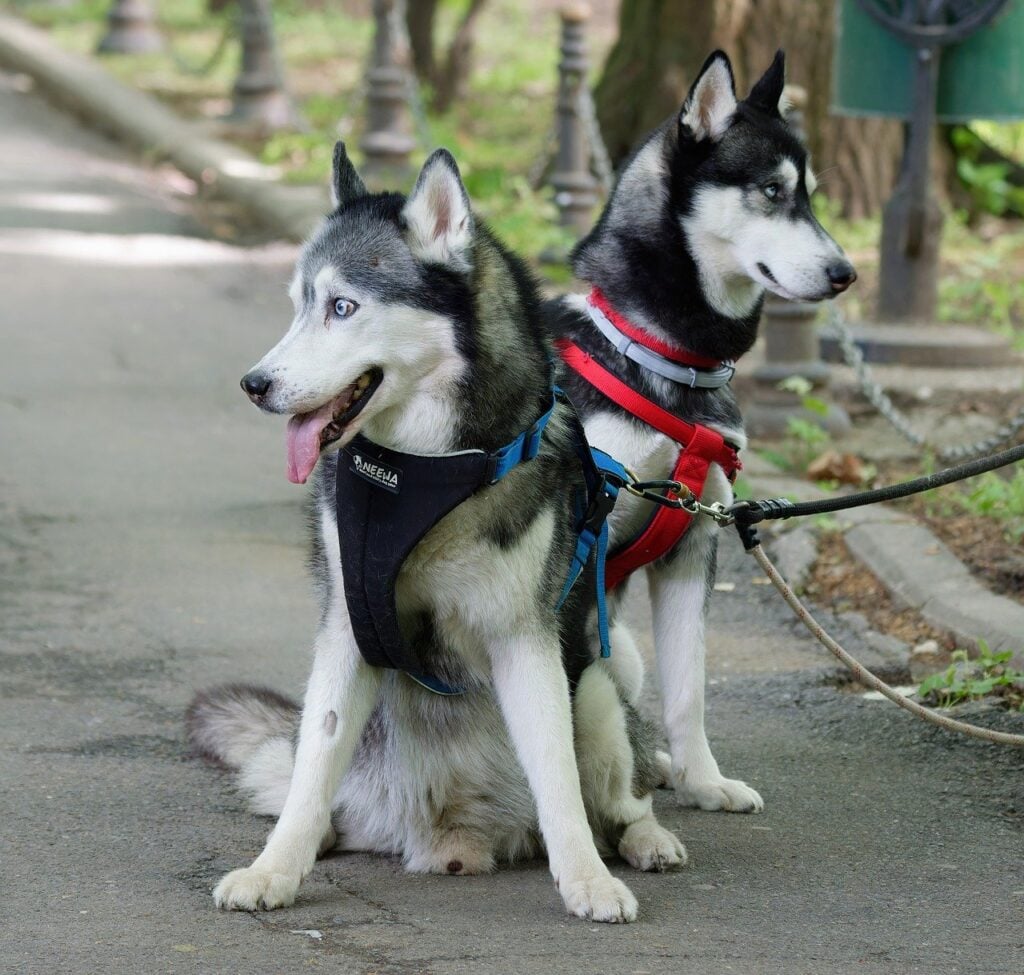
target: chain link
<point>880,400</point>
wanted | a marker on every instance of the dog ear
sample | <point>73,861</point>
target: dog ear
<point>712,100</point>
<point>437,214</point>
<point>766,95</point>
<point>346,185</point>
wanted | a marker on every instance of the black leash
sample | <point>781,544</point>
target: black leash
<point>746,514</point>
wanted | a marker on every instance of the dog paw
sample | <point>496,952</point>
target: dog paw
<point>647,845</point>
<point>600,898</point>
<point>252,889</point>
<point>731,795</point>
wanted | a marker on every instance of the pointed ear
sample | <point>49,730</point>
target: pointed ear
<point>711,101</point>
<point>766,95</point>
<point>437,214</point>
<point>346,185</point>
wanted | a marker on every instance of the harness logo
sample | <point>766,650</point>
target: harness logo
<point>376,472</point>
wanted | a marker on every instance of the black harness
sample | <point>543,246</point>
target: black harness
<point>387,501</point>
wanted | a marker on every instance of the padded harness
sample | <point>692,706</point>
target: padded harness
<point>387,500</point>
<point>699,445</point>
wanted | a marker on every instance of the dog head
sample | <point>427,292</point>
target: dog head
<point>727,183</point>
<point>375,293</point>
<point>749,214</point>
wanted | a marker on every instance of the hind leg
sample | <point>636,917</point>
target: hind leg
<point>679,591</point>
<point>618,769</point>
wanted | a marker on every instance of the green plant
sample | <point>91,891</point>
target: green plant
<point>965,679</point>
<point>998,497</point>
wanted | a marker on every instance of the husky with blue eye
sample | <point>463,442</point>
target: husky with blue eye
<point>711,211</point>
<point>417,347</point>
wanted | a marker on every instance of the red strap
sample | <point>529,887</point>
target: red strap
<point>638,335</point>
<point>668,525</point>
<point>701,447</point>
<point>642,408</point>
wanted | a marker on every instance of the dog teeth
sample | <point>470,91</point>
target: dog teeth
<point>355,395</point>
<point>362,382</point>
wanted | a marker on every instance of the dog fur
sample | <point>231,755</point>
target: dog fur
<point>710,211</point>
<point>545,747</point>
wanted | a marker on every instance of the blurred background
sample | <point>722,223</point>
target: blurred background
<point>486,82</point>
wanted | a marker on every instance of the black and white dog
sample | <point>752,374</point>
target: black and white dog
<point>711,210</point>
<point>415,331</point>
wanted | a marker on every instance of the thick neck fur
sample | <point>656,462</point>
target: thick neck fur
<point>495,380</point>
<point>638,255</point>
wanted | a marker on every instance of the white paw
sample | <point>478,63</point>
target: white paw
<point>600,898</point>
<point>647,845</point>
<point>252,889</point>
<point>732,795</point>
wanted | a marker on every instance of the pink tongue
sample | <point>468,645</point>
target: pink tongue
<point>304,441</point>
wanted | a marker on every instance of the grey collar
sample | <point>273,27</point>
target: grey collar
<point>686,375</point>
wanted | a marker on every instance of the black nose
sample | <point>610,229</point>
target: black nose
<point>841,275</point>
<point>255,385</point>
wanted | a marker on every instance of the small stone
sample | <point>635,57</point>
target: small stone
<point>926,648</point>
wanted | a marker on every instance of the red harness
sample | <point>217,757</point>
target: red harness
<point>699,446</point>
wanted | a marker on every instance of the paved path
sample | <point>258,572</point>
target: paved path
<point>150,544</point>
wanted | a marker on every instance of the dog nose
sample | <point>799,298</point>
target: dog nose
<point>841,275</point>
<point>255,385</point>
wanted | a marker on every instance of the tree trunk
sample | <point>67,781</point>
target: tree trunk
<point>662,44</point>
<point>449,77</point>
<point>420,16</point>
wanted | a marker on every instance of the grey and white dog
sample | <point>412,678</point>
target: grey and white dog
<point>415,327</point>
<point>710,211</point>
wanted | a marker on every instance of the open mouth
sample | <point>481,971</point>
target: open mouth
<point>309,433</point>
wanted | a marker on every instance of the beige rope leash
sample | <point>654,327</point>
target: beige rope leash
<point>865,676</point>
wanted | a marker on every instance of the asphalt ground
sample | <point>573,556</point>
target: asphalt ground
<point>150,545</point>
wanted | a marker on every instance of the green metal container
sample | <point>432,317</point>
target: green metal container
<point>980,78</point>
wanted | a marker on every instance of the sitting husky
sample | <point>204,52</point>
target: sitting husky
<point>416,331</point>
<point>711,210</point>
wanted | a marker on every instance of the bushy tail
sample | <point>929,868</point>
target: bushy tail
<point>249,729</point>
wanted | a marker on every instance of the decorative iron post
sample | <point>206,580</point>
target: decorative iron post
<point>388,141</point>
<point>574,184</point>
<point>259,96</point>
<point>790,333</point>
<point>131,29</point>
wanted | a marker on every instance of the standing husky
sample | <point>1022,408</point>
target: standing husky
<point>414,328</point>
<point>711,210</point>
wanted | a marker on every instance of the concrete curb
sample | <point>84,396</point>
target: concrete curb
<point>84,88</point>
<point>918,570</point>
<point>914,565</point>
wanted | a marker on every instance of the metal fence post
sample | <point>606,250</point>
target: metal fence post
<point>131,29</point>
<point>791,346</point>
<point>387,141</point>
<point>259,98</point>
<point>574,184</point>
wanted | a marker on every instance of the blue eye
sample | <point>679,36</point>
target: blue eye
<point>344,307</point>
<point>771,190</point>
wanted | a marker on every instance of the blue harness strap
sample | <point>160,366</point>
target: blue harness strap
<point>604,477</point>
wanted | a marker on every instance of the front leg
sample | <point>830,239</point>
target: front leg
<point>679,593</point>
<point>534,695</point>
<point>342,692</point>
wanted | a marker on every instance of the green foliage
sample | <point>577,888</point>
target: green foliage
<point>996,496</point>
<point>987,182</point>
<point>966,680</point>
